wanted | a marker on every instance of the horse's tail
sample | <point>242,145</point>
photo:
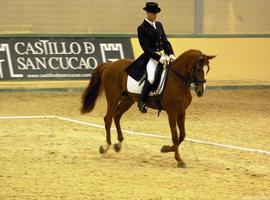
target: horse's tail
<point>92,91</point>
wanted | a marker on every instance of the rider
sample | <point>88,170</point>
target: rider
<point>157,50</point>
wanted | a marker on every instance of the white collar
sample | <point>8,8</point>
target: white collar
<point>151,23</point>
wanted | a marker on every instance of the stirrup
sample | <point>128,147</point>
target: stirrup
<point>142,107</point>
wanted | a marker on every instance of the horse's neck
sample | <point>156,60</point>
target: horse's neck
<point>175,79</point>
<point>176,94</point>
<point>181,67</point>
<point>175,84</point>
<point>177,87</point>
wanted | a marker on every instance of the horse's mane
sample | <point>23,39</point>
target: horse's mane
<point>189,53</point>
<point>187,57</point>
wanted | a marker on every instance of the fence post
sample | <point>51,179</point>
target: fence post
<point>198,16</point>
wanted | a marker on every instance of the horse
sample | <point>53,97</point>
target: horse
<point>191,67</point>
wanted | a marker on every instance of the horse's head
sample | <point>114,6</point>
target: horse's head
<point>199,72</point>
<point>192,67</point>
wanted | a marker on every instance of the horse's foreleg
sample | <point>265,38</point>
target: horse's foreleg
<point>172,121</point>
<point>182,135</point>
<point>125,104</point>
<point>174,148</point>
<point>181,126</point>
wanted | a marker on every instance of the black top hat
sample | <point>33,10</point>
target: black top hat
<point>152,7</point>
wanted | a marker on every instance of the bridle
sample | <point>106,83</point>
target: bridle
<point>192,79</point>
<point>193,73</point>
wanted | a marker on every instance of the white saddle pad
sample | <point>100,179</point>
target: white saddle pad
<point>134,87</point>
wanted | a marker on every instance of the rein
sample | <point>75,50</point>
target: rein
<point>183,78</point>
<point>191,79</point>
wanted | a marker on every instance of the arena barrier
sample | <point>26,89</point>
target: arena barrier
<point>50,58</point>
<point>53,57</point>
<point>226,146</point>
<point>239,58</point>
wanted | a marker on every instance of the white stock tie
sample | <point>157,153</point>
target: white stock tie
<point>153,24</point>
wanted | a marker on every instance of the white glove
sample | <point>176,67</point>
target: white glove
<point>172,58</point>
<point>164,58</point>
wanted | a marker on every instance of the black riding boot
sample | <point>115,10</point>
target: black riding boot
<point>146,89</point>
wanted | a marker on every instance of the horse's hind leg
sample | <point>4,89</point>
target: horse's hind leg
<point>125,103</point>
<point>112,102</point>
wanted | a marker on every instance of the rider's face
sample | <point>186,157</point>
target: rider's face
<point>151,16</point>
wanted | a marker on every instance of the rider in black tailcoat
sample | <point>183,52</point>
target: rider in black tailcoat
<point>153,41</point>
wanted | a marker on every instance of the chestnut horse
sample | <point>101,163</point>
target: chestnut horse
<point>190,67</point>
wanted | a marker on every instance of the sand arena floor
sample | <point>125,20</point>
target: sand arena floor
<point>52,159</point>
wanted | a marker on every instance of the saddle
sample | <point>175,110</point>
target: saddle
<point>161,74</point>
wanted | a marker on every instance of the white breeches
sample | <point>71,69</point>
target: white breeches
<point>151,69</point>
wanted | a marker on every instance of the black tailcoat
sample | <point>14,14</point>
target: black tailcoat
<point>151,40</point>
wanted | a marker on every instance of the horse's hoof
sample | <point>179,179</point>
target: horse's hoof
<point>117,147</point>
<point>101,150</point>
<point>165,149</point>
<point>181,165</point>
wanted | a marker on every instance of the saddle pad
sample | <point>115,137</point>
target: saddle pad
<point>135,87</point>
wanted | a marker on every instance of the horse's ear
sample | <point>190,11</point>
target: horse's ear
<point>210,57</point>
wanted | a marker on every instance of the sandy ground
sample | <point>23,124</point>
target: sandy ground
<point>51,159</point>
